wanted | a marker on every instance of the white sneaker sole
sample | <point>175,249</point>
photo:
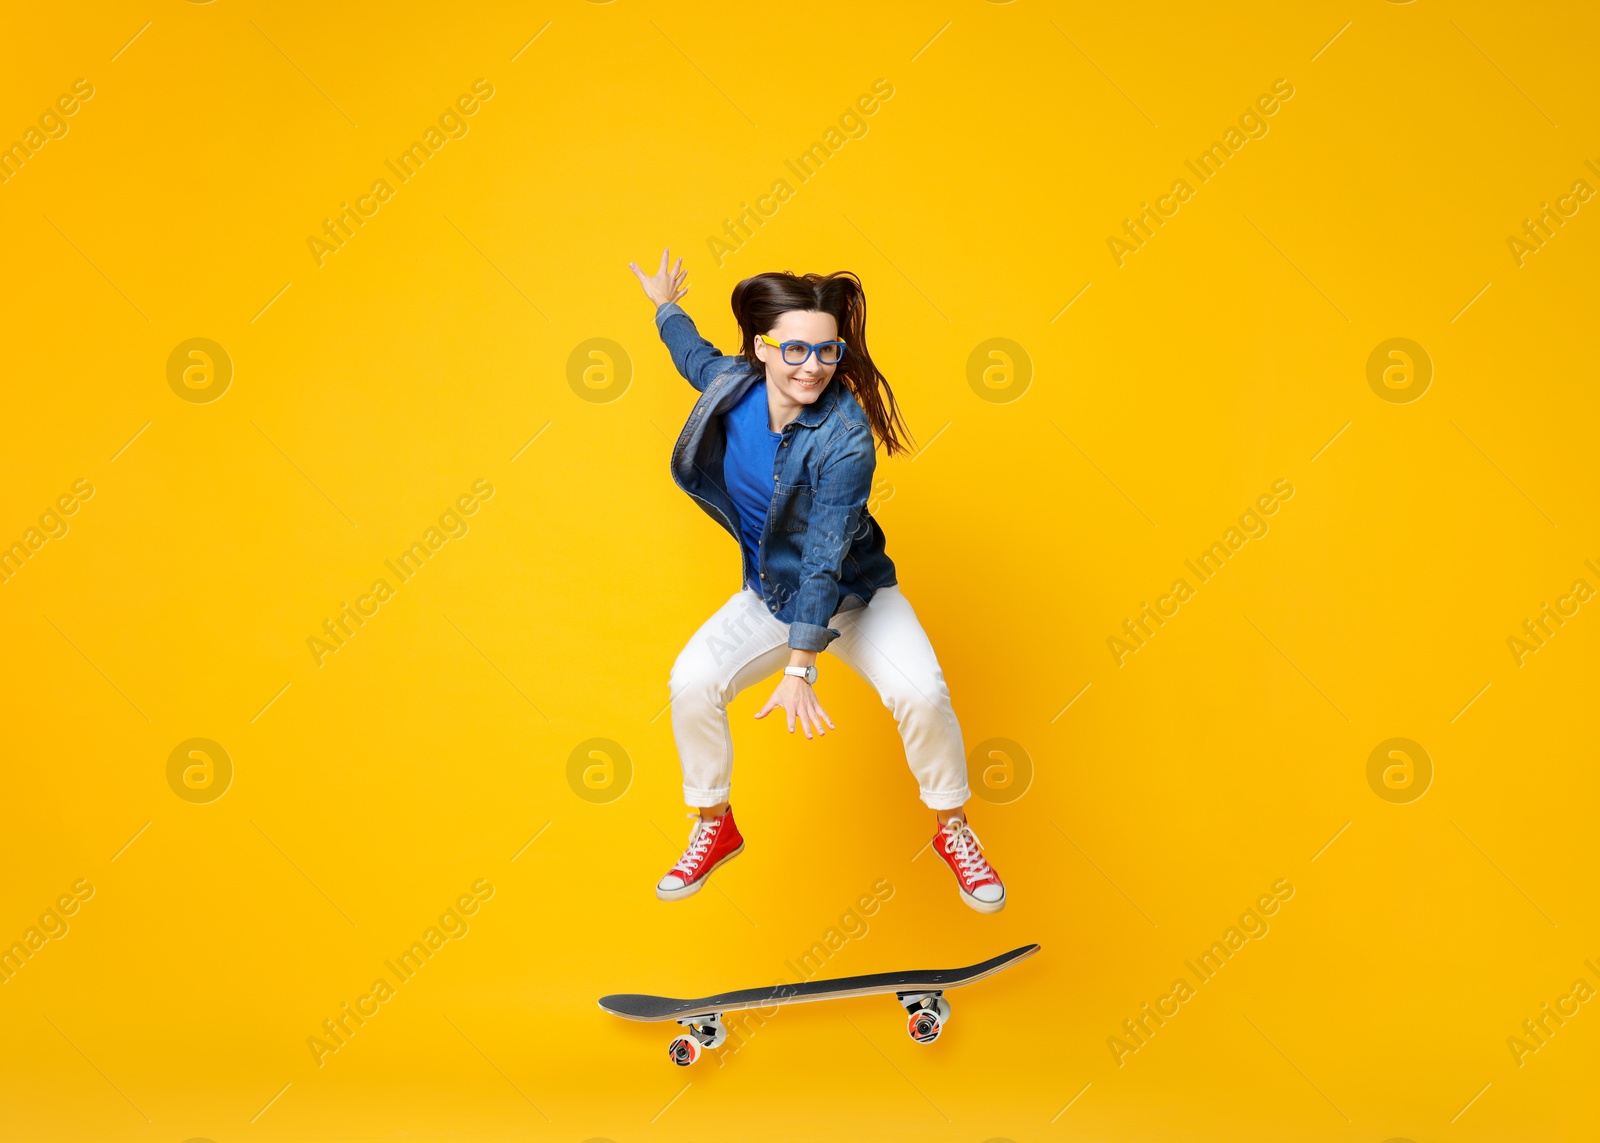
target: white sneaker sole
<point>982,906</point>
<point>693,887</point>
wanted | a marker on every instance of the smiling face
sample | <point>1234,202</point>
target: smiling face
<point>801,384</point>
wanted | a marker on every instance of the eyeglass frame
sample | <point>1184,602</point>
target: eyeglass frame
<point>811,347</point>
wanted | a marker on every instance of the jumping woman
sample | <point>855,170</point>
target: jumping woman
<point>780,450</point>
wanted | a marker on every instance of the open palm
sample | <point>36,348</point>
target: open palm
<point>664,285</point>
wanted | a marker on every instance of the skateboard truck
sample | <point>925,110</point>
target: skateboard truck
<point>705,1031</point>
<point>927,1011</point>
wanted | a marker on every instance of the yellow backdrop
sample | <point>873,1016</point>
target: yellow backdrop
<point>1249,356</point>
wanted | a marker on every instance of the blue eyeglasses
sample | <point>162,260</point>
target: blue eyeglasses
<point>798,352</point>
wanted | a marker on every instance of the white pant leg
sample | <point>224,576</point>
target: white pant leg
<point>740,645</point>
<point>885,644</point>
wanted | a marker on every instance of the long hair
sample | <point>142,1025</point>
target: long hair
<point>759,301</point>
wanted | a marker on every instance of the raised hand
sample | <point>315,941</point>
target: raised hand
<point>664,285</point>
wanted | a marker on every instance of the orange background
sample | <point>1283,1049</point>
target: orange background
<point>1133,414</point>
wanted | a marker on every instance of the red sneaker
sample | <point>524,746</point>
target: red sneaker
<point>710,844</point>
<point>979,884</point>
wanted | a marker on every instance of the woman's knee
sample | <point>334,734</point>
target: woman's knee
<point>694,681</point>
<point>920,695</point>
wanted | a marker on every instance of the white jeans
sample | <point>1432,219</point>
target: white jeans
<point>883,642</point>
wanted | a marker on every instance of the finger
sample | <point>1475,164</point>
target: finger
<point>824,715</point>
<point>663,260</point>
<point>762,713</point>
<point>790,715</point>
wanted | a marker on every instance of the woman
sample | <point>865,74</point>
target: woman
<point>779,450</point>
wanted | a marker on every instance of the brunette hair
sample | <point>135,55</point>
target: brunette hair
<point>759,301</point>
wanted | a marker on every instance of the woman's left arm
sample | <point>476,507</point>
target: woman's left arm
<point>836,509</point>
<point>837,506</point>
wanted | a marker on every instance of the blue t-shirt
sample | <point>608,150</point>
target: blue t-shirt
<point>747,469</point>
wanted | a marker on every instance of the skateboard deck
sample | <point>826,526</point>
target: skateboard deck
<point>919,991</point>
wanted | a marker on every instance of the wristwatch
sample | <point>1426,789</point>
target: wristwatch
<point>809,674</point>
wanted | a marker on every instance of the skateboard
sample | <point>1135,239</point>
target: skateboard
<point>920,993</point>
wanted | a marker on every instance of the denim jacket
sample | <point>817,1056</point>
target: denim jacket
<point>821,551</point>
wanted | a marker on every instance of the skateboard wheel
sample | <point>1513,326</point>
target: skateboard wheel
<point>684,1050</point>
<point>924,1026</point>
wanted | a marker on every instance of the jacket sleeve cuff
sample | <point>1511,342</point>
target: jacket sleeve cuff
<point>666,310</point>
<point>810,637</point>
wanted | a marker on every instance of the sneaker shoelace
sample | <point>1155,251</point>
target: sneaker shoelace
<point>701,835</point>
<point>964,845</point>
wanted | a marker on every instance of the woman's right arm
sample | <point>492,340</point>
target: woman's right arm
<point>696,358</point>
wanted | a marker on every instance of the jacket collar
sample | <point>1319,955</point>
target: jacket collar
<point>810,415</point>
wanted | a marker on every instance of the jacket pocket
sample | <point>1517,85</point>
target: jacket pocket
<point>793,507</point>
